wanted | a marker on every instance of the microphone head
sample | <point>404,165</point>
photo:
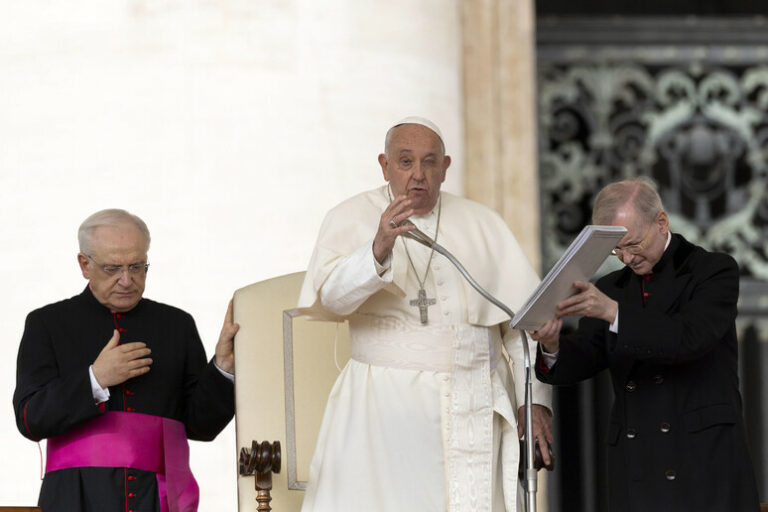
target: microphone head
<point>417,234</point>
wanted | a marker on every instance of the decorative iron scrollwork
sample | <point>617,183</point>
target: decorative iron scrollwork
<point>699,129</point>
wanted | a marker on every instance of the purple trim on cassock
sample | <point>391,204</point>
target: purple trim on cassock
<point>137,441</point>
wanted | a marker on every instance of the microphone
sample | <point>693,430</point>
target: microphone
<point>418,235</point>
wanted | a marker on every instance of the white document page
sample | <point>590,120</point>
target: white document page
<point>578,263</point>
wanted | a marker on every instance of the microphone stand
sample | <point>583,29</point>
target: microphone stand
<point>530,472</point>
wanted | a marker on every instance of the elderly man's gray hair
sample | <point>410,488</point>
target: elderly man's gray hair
<point>108,217</point>
<point>640,192</point>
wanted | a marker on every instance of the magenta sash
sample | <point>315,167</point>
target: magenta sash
<point>137,441</point>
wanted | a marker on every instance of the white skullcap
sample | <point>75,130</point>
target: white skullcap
<point>419,120</point>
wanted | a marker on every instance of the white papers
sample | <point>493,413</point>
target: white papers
<point>579,262</point>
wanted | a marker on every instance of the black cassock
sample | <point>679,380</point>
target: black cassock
<point>53,392</point>
<point>676,439</point>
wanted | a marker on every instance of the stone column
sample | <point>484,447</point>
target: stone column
<point>500,114</point>
<point>499,59</point>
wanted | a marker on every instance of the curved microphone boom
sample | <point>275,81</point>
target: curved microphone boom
<point>530,471</point>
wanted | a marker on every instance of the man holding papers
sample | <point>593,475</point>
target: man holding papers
<point>665,328</point>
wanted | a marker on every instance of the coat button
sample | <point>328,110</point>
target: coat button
<point>631,433</point>
<point>665,427</point>
<point>670,474</point>
<point>658,379</point>
<point>631,386</point>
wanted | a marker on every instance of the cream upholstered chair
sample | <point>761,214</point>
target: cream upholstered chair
<point>285,368</point>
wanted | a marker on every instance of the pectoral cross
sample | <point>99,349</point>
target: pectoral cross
<point>423,302</point>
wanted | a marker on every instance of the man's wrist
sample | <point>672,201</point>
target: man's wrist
<point>230,375</point>
<point>383,266</point>
<point>100,394</point>
<point>550,350</point>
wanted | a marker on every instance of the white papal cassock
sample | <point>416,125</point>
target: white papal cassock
<point>423,417</point>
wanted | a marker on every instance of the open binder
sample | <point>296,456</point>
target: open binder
<point>578,263</point>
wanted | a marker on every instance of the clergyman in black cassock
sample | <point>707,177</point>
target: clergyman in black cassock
<point>164,373</point>
<point>664,326</point>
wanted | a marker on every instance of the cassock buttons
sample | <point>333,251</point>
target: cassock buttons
<point>631,433</point>
<point>658,379</point>
<point>670,474</point>
<point>631,386</point>
<point>665,427</point>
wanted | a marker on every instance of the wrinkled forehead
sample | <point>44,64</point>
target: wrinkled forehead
<point>118,238</point>
<point>414,137</point>
<point>630,218</point>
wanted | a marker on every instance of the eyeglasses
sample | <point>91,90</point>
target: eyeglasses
<point>134,269</point>
<point>632,249</point>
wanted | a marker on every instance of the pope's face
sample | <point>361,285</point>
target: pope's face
<point>115,266</point>
<point>415,165</point>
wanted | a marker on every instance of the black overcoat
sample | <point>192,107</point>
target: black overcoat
<point>676,435</point>
<point>53,391</point>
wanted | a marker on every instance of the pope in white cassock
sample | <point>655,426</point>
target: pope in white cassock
<point>425,414</point>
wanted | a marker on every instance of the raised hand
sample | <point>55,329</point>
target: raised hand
<point>390,228</point>
<point>225,348</point>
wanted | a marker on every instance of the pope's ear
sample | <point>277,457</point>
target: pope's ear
<point>384,163</point>
<point>446,165</point>
<point>82,261</point>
